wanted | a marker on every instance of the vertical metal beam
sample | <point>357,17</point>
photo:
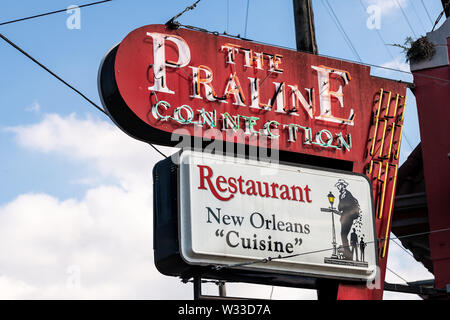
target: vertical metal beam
<point>304,26</point>
<point>305,36</point>
<point>327,289</point>
<point>222,289</point>
<point>197,288</point>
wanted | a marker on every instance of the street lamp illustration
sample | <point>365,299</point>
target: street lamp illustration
<point>331,200</point>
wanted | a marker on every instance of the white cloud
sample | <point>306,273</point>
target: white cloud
<point>99,246</point>
<point>398,63</point>
<point>388,6</point>
<point>398,68</point>
<point>107,235</point>
<point>14,289</point>
<point>94,142</point>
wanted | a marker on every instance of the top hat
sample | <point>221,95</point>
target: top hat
<point>341,182</point>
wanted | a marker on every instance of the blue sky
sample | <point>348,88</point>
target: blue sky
<point>36,109</point>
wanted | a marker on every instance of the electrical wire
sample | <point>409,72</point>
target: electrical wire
<point>428,13</point>
<point>52,73</point>
<point>15,46</point>
<point>341,29</point>
<point>52,12</point>
<point>188,8</point>
<point>228,15</point>
<point>418,16</point>
<point>406,18</point>
<point>157,150</point>
<point>407,141</point>
<point>379,34</point>
<point>268,259</point>
<point>393,59</point>
<point>396,274</point>
<point>401,247</point>
<point>246,18</point>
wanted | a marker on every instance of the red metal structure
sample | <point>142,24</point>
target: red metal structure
<point>421,206</point>
<point>432,90</point>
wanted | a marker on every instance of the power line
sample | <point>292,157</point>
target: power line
<point>52,12</point>
<point>228,14</point>
<point>352,47</point>
<point>407,141</point>
<point>393,59</point>
<point>188,8</point>
<point>62,80</point>
<point>395,273</point>
<point>417,14</point>
<point>268,259</point>
<point>379,34</point>
<point>428,13</point>
<point>401,247</point>
<point>246,18</point>
<point>337,22</point>
<point>406,18</point>
<point>51,72</point>
<point>157,150</point>
<point>384,43</point>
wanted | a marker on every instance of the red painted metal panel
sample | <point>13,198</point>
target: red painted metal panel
<point>433,103</point>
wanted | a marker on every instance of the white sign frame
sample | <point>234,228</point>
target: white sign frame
<point>222,226</point>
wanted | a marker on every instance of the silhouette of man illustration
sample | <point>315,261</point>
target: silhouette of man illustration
<point>362,246</point>
<point>354,244</point>
<point>349,211</point>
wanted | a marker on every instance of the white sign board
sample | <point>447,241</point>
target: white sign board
<point>307,221</point>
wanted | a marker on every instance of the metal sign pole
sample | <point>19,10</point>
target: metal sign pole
<point>197,288</point>
<point>222,289</point>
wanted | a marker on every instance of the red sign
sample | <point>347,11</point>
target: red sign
<point>159,81</point>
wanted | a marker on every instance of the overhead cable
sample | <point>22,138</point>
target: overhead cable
<point>52,12</point>
<point>268,259</point>
<point>51,72</point>
<point>418,16</point>
<point>401,247</point>
<point>406,18</point>
<point>246,18</point>
<point>428,13</point>
<point>191,7</point>
<point>62,80</point>
<point>341,29</point>
<point>396,274</point>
